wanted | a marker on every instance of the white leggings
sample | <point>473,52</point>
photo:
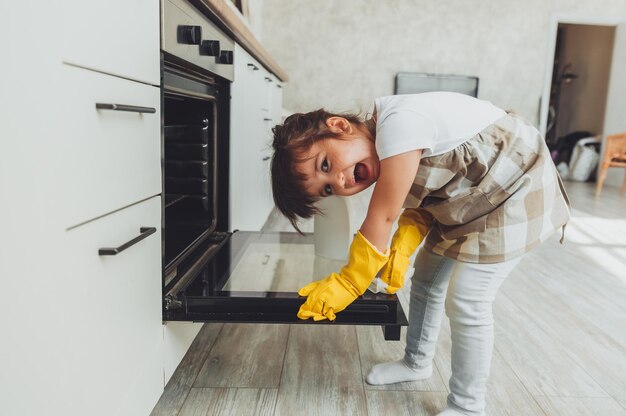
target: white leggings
<point>471,290</point>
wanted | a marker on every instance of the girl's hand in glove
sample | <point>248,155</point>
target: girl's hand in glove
<point>333,294</point>
<point>413,225</point>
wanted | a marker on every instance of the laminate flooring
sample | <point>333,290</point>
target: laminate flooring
<point>560,346</point>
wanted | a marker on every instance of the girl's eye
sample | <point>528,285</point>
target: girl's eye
<point>328,190</point>
<point>324,165</point>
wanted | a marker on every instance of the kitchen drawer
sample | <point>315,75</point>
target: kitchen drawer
<point>113,326</point>
<point>110,159</point>
<point>120,37</point>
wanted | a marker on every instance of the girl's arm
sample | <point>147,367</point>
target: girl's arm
<point>331,295</point>
<point>397,174</point>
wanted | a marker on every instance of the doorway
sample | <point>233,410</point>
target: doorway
<point>566,85</point>
<point>580,80</point>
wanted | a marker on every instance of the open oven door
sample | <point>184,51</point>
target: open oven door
<point>255,277</point>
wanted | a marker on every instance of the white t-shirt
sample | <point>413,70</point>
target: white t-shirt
<point>435,122</point>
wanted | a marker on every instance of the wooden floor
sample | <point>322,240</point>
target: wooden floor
<point>560,343</point>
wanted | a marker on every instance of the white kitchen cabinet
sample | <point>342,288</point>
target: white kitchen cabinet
<point>119,37</point>
<point>83,333</point>
<point>111,158</point>
<point>177,338</point>
<point>277,102</point>
<point>252,117</point>
<point>275,117</point>
<point>114,337</point>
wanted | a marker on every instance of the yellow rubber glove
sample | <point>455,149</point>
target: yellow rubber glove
<point>413,225</point>
<point>332,295</point>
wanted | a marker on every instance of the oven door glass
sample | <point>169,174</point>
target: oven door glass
<point>255,277</point>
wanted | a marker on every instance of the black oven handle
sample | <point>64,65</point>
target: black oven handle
<point>124,107</point>
<point>145,232</point>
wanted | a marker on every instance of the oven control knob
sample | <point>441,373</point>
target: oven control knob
<point>191,35</point>
<point>226,57</point>
<point>210,47</point>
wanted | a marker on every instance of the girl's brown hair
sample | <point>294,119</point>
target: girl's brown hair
<point>291,140</point>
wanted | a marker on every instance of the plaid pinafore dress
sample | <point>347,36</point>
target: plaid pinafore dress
<point>494,197</point>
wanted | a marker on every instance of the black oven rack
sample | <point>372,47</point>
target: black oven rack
<point>187,168</point>
<point>185,133</point>
<point>189,146</point>
<point>188,162</point>
<point>187,152</point>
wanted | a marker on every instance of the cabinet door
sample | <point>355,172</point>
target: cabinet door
<point>120,37</point>
<point>275,94</point>
<point>111,158</point>
<point>114,334</point>
<point>266,202</point>
<point>251,200</point>
<point>277,102</point>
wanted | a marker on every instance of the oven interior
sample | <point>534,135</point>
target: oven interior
<point>194,166</point>
<point>189,171</point>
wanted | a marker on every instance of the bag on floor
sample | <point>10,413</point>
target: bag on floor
<point>584,160</point>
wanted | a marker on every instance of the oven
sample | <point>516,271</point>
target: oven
<point>195,170</point>
<point>211,273</point>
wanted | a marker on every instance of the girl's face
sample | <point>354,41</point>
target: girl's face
<point>341,166</point>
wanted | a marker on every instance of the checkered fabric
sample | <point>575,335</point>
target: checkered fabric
<point>494,197</point>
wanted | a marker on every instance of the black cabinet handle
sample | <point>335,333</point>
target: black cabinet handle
<point>124,107</point>
<point>253,66</point>
<point>268,79</point>
<point>266,158</point>
<point>145,232</point>
<point>267,119</point>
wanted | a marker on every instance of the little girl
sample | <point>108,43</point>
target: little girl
<point>477,182</point>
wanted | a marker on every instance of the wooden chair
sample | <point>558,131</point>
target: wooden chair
<point>614,156</point>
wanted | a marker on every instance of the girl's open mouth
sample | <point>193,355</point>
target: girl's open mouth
<point>361,172</point>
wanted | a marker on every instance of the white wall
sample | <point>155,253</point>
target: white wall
<point>255,18</point>
<point>343,53</point>
<point>615,121</point>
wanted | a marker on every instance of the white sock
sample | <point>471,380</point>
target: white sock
<point>396,372</point>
